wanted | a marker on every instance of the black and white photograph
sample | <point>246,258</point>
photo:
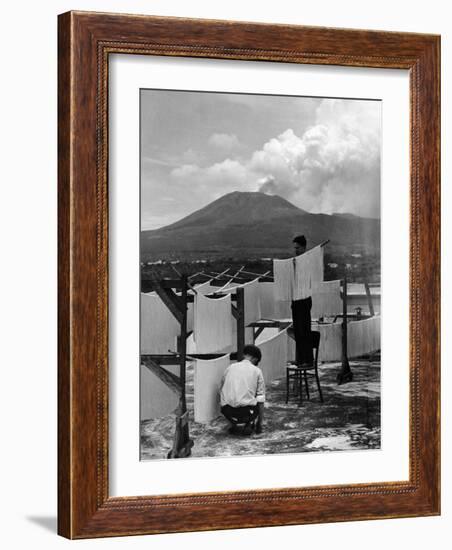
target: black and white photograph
<point>260,274</point>
<point>239,245</point>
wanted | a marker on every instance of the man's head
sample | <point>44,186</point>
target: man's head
<point>252,353</point>
<point>299,243</point>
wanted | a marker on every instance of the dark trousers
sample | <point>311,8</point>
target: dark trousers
<point>301,317</point>
<point>240,415</point>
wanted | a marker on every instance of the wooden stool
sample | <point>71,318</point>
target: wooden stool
<point>297,373</point>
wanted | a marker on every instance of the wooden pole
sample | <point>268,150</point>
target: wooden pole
<point>219,276</point>
<point>167,377</point>
<point>240,323</point>
<point>183,344</point>
<point>369,299</point>
<point>345,374</point>
<point>265,275</point>
<point>182,443</point>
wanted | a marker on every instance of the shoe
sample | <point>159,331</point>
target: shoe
<point>248,429</point>
<point>258,429</point>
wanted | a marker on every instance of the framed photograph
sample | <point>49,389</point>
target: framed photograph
<point>248,275</point>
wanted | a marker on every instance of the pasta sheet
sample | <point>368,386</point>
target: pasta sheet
<point>212,327</point>
<point>326,299</point>
<point>296,277</point>
<point>156,398</point>
<point>274,356</point>
<point>159,328</point>
<point>207,381</point>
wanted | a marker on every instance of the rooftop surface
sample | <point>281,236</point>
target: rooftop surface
<point>349,419</point>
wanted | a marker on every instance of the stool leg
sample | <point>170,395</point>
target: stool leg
<point>306,384</point>
<point>318,384</point>
<point>287,386</point>
<point>300,386</point>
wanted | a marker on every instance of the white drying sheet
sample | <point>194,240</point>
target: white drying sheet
<point>295,277</point>
<point>308,272</point>
<point>274,356</point>
<point>330,341</point>
<point>283,273</point>
<point>267,300</point>
<point>207,381</point>
<point>326,299</point>
<point>212,327</point>
<point>159,328</point>
<point>252,299</point>
<point>252,302</point>
<point>363,336</point>
<point>156,398</point>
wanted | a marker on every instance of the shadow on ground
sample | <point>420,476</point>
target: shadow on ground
<point>49,523</point>
<point>348,419</point>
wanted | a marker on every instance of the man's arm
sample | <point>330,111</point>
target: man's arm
<point>223,378</point>
<point>260,398</point>
<point>260,391</point>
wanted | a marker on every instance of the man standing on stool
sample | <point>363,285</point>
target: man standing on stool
<point>301,317</point>
<point>242,392</point>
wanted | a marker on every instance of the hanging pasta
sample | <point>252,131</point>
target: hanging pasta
<point>207,382</point>
<point>274,356</point>
<point>326,299</point>
<point>308,272</point>
<point>212,327</point>
<point>363,337</point>
<point>296,277</point>
<point>283,273</point>
<point>159,328</point>
<point>291,349</point>
<point>205,288</point>
<point>267,300</point>
<point>330,341</point>
<point>251,293</point>
<point>156,398</point>
<point>252,302</point>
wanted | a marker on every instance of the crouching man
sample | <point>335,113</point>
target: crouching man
<point>242,393</point>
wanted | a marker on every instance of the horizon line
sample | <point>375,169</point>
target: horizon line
<point>262,193</point>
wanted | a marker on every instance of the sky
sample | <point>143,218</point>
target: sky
<point>321,154</point>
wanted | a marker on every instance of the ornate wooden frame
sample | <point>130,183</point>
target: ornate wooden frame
<point>85,42</point>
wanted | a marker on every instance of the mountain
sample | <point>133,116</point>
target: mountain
<point>345,215</point>
<point>239,208</point>
<point>248,222</point>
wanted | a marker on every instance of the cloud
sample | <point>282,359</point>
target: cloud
<point>151,161</point>
<point>206,184</point>
<point>224,141</point>
<point>333,165</point>
<point>190,156</point>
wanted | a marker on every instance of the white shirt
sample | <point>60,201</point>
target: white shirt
<point>242,385</point>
